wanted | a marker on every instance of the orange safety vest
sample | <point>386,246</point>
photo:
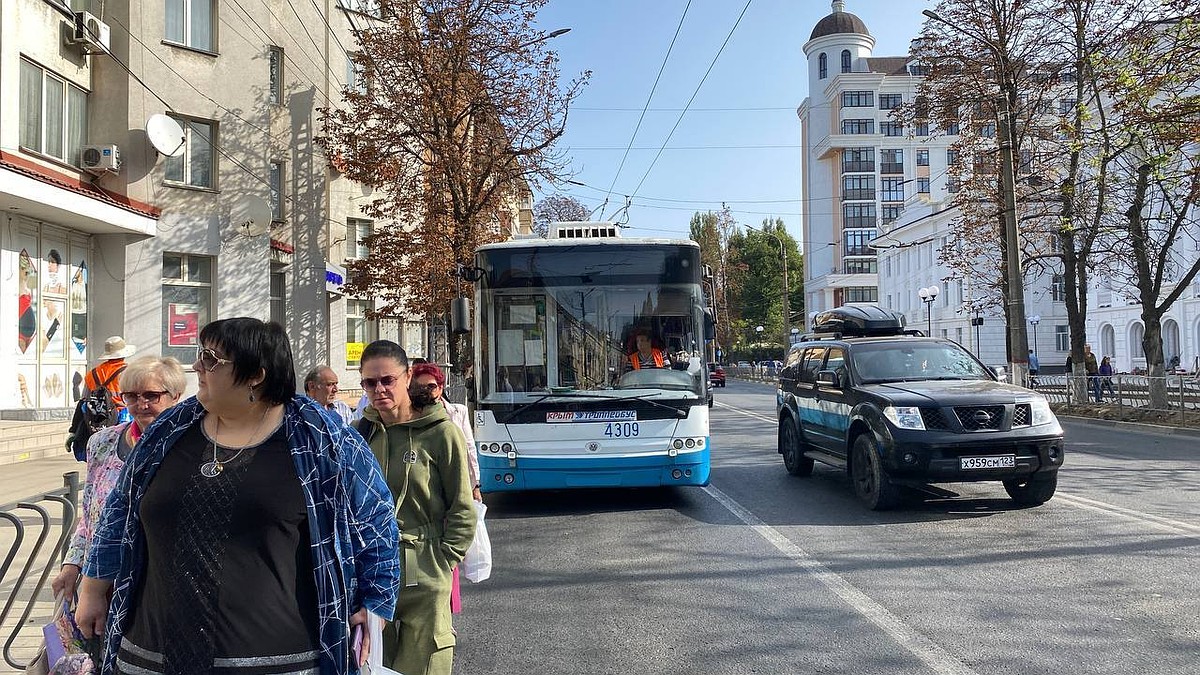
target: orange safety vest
<point>635,361</point>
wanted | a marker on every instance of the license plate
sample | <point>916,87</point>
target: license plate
<point>993,462</point>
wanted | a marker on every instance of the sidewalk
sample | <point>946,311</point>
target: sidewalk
<point>33,476</point>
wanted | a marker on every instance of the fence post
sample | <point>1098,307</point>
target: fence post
<point>1120,397</point>
<point>1182,410</point>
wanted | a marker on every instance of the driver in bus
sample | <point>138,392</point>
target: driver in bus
<point>645,354</point>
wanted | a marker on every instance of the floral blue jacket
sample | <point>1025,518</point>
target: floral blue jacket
<point>350,520</point>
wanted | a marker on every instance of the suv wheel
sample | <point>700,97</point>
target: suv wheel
<point>793,453</point>
<point>1032,490</point>
<point>871,482</point>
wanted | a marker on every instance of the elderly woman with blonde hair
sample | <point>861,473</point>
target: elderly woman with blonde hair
<point>149,385</point>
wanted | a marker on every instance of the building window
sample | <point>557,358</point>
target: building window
<point>951,157</point>
<point>891,161</point>
<point>855,242</point>
<point>858,215</point>
<point>858,159</point>
<point>1062,338</point>
<point>922,128</point>
<point>1058,288</point>
<point>845,60</point>
<point>860,294</point>
<point>858,99</point>
<point>891,128</point>
<point>275,94</point>
<point>275,178</point>
<point>923,157</point>
<point>891,212</point>
<point>952,129</point>
<point>822,66</point>
<point>858,126</point>
<point>187,303</point>
<point>279,297</point>
<point>858,187</point>
<point>368,7</point>
<point>196,166</point>
<point>952,184</point>
<point>190,23</point>
<point>890,101</point>
<point>891,189</point>
<point>923,186</point>
<point>1066,106</point>
<point>919,69</point>
<point>53,114</point>
<point>987,130</point>
<point>859,266</point>
<point>358,229</point>
<point>355,80</point>
<point>359,330</point>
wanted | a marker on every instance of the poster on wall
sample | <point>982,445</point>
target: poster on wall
<point>27,302</point>
<point>55,278</point>
<point>24,384</point>
<point>183,324</point>
<point>53,331</point>
<point>79,308</point>
<point>53,386</point>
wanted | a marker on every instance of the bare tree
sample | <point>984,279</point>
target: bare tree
<point>457,111</point>
<point>557,209</point>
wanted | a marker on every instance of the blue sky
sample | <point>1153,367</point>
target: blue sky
<point>762,67</point>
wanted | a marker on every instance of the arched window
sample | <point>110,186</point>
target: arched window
<point>822,66</point>
<point>845,60</point>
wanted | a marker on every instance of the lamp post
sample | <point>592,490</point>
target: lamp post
<point>928,295</point>
<point>1018,339</point>
<point>1034,321</point>
<point>795,336</point>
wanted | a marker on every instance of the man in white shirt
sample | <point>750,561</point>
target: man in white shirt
<point>321,385</point>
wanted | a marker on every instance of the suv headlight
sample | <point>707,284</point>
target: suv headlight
<point>905,417</point>
<point>1041,412</point>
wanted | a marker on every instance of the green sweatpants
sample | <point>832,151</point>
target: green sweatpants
<point>420,639</point>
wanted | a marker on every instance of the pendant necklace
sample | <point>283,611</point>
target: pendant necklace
<point>216,466</point>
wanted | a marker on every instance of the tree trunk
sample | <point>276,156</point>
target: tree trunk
<point>1148,290</point>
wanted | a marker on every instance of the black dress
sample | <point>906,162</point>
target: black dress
<point>229,584</point>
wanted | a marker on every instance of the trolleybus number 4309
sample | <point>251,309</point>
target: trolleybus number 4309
<point>621,429</point>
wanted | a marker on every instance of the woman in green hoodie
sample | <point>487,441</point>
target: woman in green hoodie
<point>423,460</point>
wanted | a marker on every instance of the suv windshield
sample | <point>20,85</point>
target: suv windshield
<point>910,360</point>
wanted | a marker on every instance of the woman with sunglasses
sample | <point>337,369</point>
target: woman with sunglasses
<point>249,534</point>
<point>149,385</point>
<point>424,458</point>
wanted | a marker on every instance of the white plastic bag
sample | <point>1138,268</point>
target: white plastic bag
<point>477,566</point>
<point>375,656</point>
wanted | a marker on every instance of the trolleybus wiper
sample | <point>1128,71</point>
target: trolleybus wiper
<point>543,397</point>
<point>678,413</point>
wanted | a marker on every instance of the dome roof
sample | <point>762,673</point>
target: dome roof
<point>839,22</point>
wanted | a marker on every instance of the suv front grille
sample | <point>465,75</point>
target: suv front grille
<point>980,418</point>
<point>1022,416</point>
<point>934,419</point>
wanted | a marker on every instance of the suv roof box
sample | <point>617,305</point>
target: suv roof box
<point>859,320</point>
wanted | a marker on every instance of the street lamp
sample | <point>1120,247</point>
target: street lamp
<point>1034,321</point>
<point>928,295</point>
<point>1018,340</point>
<point>795,336</point>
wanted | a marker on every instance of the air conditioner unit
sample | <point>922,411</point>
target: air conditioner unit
<point>101,159</point>
<point>90,31</point>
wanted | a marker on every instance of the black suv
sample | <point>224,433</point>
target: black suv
<point>894,407</point>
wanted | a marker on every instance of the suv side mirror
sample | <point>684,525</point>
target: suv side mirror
<point>829,378</point>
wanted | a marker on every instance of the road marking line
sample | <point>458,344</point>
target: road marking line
<point>747,413</point>
<point>1165,524</point>
<point>941,661</point>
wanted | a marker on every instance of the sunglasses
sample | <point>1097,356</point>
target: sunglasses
<point>425,387</point>
<point>209,360</point>
<point>369,383</point>
<point>151,397</point>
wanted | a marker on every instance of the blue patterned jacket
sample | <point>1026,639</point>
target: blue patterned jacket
<point>350,522</point>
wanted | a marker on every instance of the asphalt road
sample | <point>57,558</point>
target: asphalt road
<point>763,572</point>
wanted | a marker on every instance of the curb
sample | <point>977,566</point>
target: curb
<point>1133,426</point>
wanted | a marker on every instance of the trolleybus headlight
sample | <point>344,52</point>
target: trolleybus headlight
<point>509,479</point>
<point>506,448</point>
<point>691,442</point>
<point>676,474</point>
<point>495,447</point>
<point>678,443</point>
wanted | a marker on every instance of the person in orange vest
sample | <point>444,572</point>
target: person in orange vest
<point>107,372</point>
<point>646,355</point>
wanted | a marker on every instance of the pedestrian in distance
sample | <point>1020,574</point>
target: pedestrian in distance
<point>101,405</point>
<point>424,459</point>
<point>1033,368</point>
<point>1093,371</point>
<point>1105,372</point>
<point>321,385</point>
<point>248,534</point>
<point>149,385</point>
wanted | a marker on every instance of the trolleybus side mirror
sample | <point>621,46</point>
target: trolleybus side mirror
<point>460,316</point>
<point>710,324</point>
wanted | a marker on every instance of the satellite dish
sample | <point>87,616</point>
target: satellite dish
<point>250,216</point>
<point>165,135</point>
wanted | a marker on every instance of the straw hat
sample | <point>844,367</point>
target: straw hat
<point>115,348</point>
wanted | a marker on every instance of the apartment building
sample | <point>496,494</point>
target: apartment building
<point>105,231</point>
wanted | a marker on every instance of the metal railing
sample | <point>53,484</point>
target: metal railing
<point>1124,391</point>
<point>29,517</point>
